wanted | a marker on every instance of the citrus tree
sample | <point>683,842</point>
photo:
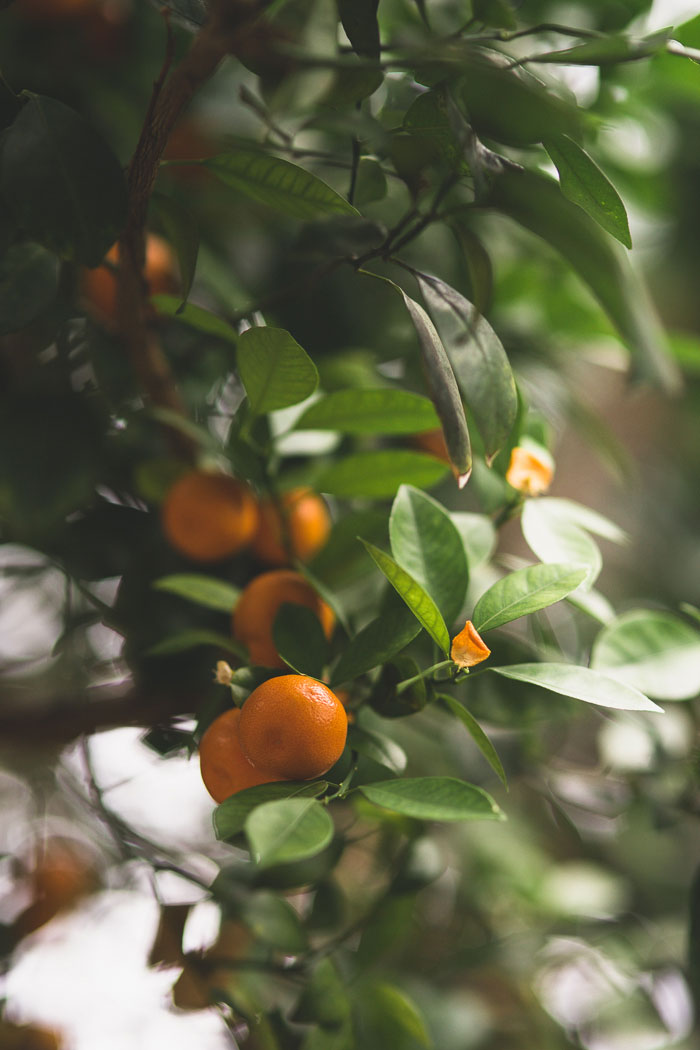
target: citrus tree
<point>297,300</point>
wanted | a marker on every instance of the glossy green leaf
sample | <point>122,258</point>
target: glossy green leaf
<point>537,203</point>
<point>299,639</point>
<point>274,921</point>
<point>287,830</point>
<point>61,181</point>
<point>523,592</point>
<point>654,651</point>
<point>381,749</point>
<point>479,268</point>
<point>230,816</point>
<point>478,536</point>
<point>583,182</point>
<point>29,277</point>
<point>608,50</point>
<point>279,184</point>
<point>581,683</point>
<point>193,639</point>
<point>195,317</point>
<point>476,733</point>
<point>367,411</point>
<point>425,543</point>
<point>393,629</point>
<point>433,798</point>
<point>359,20</point>
<point>479,361</point>
<point>389,1018</point>
<point>378,475</point>
<point>276,371</point>
<point>556,539</point>
<point>203,590</point>
<point>585,517</point>
<point>179,226</point>
<point>416,598</point>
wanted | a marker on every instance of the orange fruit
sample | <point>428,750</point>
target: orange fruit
<point>295,526</point>
<point>61,874</point>
<point>295,725</point>
<point>28,1037</point>
<point>258,605</point>
<point>209,516</point>
<point>224,767</point>
<point>99,286</point>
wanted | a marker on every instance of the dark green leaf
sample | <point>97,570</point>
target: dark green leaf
<point>378,475</point>
<point>63,183</point>
<point>230,817</point>
<point>479,266</point>
<point>279,184</point>
<point>180,228</point>
<point>498,13</point>
<point>28,285</point>
<point>324,1000</point>
<point>382,638</point>
<point>654,651</point>
<point>195,317</point>
<point>476,732</point>
<point>425,543</point>
<point>359,19</point>
<point>523,592</point>
<point>580,683</point>
<point>192,639</point>
<point>371,184</point>
<point>479,361</point>
<point>583,182</point>
<point>367,411</point>
<point>287,830</point>
<point>275,370</point>
<point>299,639</point>
<point>203,590</point>
<point>380,749</point>
<point>274,921</point>
<point>537,203</point>
<point>433,798</point>
<point>417,599</point>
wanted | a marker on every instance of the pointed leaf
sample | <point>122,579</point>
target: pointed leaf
<point>279,184</point>
<point>417,599</point>
<point>524,592</point>
<point>425,543</point>
<point>382,638</point>
<point>192,639</point>
<point>363,411</point>
<point>359,20</point>
<point>230,816</point>
<point>379,748</point>
<point>195,317</point>
<point>299,639</point>
<point>583,182</point>
<point>581,683</point>
<point>378,475</point>
<point>276,372</point>
<point>388,1018</point>
<point>555,539</point>
<point>203,590</point>
<point>479,361</point>
<point>433,798</point>
<point>478,536</point>
<point>287,830</point>
<point>29,276</point>
<point>477,734</point>
<point>608,50</point>
<point>584,517</point>
<point>653,651</point>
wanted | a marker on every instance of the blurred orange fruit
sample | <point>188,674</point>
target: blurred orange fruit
<point>258,605</point>
<point>209,516</point>
<point>295,725</point>
<point>224,767</point>
<point>98,286</point>
<point>529,471</point>
<point>28,1037</point>
<point>296,526</point>
<point>60,875</point>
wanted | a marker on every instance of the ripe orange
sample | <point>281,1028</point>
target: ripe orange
<point>209,516</point>
<point>294,724</point>
<point>61,873</point>
<point>258,605</point>
<point>295,526</point>
<point>224,767</point>
<point>99,286</point>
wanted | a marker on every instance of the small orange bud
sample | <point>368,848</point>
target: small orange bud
<point>468,647</point>
<point>224,673</point>
<point>529,472</point>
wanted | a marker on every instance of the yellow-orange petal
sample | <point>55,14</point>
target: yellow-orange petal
<point>529,472</point>
<point>468,647</point>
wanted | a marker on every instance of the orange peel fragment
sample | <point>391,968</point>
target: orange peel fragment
<point>468,647</point>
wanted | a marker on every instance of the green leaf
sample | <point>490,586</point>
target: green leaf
<point>279,184</point>
<point>299,639</point>
<point>443,389</point>
<point>584,517</point>
<point>537,203</point>
<point>479,361</point>
<point>324,1000</point>
<point>417,599</point>
<point>476,732</point>
<point>195,317</point>
<point>287,830</point>
<point>497,13</point>
<point>479,266</point>
<point>608,50</point>
<point>433,798</point>
<point>425,543</point>
<point>359,20</point>
<point>556,539</point>
<point>192,639</point>
<point>63,184</point>
<point>581,683</point>
<point>203,590</point>
<point>524,592</point>
<point>363,411</point>
<point>370,184</point>
<point>273,920</point>
<point>276,372</point>
<point>29,277</point>
<point>478,536</point>
<point>179,226</point>
<point>379,748</point>
<point>382,638</point>
<point>388,1018</point>
<point>654,651</point>
<point>583,182</point>
<point>230,816</point>
<point>378,475</point>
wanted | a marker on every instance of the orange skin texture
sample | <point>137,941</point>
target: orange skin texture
<point>528,473</point>
<point>301,518</point>
<point>224,767</point>
<point>294,724</point>
<point>258,605</point>
<point>209,516</point>
<point>99,286</point>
